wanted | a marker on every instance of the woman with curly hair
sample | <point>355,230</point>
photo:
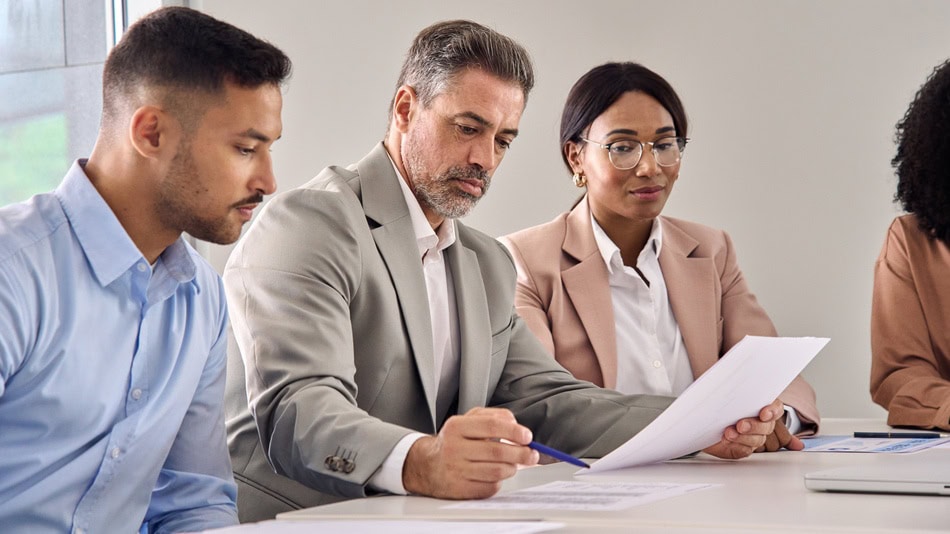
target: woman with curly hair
<point>910,311</point>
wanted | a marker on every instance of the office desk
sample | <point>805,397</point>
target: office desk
<point>763,493</point>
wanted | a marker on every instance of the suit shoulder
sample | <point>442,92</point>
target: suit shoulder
<point>541,243</point>
<point>329,194</point>
<point>306,226</point>
<point>699,232</point>
<point>476,239</point>
<point>553,230</point>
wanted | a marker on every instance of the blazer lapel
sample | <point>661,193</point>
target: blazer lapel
<point>391,227</point>
<point>588,287</point>
<point>691,285</point>
<point>474,325</point>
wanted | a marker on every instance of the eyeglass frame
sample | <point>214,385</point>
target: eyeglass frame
<point>682,148</point>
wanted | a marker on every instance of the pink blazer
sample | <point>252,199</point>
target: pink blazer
<point>564,297</point>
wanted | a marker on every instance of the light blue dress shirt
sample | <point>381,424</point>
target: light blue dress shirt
<point>111,375</point>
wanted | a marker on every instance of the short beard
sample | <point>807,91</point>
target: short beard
<point>176,205</point>
<point>441,195</point>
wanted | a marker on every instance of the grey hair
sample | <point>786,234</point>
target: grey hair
<point>444,49</point>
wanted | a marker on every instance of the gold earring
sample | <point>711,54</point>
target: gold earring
<point>579,179</point>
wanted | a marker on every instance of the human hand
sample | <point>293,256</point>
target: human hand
<point>747,435</point>
<point>781,438</point>
<point>467,460</point>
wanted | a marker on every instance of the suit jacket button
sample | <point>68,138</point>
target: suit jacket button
<point>333,463</point>
<point>348,466</point>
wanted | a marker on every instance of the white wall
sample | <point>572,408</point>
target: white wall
<point>792,105</point>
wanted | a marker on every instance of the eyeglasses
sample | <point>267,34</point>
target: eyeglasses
<point>626,153</point>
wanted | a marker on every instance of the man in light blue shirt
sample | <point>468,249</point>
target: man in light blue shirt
<point>112,328</point>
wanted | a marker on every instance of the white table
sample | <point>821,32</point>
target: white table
<point>764,493</point>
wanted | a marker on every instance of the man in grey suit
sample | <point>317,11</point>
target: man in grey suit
<point>376,334</point>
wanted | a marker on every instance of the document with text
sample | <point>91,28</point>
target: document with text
<point>582,496</point>
<point>747,378</point>
<point>408,526</point>
<point>851,444</point>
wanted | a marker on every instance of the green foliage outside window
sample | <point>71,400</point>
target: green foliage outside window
<point>32,156</point>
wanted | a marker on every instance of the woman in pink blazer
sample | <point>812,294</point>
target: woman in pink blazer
<point>910,311</point>
<point>620,295</point>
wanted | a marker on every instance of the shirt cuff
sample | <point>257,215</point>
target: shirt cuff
<point>389,476</point>
<point>792,422</point>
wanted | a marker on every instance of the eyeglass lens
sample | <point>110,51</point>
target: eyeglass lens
<point>626,154</point>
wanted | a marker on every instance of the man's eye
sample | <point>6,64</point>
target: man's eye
<point>503,144</point>
<point>467,130</point>
<point>244,151</point>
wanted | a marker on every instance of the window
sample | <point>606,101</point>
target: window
<point>51,58</point>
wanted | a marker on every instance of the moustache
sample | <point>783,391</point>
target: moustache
<point>469,173</point>
<point>253,199</point>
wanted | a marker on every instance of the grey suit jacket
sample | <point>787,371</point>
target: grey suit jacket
<point>329,313</point>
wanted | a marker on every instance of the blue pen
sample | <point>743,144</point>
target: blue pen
<point>557,455</point>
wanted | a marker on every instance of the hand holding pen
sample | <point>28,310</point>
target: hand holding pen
<point>469,457</point>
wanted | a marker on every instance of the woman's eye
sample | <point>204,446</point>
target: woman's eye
<point>621,148</point>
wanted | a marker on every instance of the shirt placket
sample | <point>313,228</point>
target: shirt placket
<point>123,432</point>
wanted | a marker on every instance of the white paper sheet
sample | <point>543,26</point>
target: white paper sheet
<point>582,496</point>
<point>358,526</point>
<point>747,378</point>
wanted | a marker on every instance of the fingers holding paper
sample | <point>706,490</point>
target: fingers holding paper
<point>781,438</point>
<point>749,434</point>
<point>467,459</point>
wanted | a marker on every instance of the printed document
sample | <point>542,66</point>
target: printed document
<point>747,378</point>
<point>850,444</point>
<point>369,526</point>
<point>582,496</point>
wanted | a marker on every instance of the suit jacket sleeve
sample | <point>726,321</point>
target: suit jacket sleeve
<point>742,315</point>
<point>908,376</point>
<point>289,284</point>
<point>528,301</point>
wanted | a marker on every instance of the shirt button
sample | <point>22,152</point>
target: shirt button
<point>136,394</point>
<point>141,267</point>
<point>657,364</point>
<point>115,453</point>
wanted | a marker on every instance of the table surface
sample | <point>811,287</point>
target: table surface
<point>763,493</point>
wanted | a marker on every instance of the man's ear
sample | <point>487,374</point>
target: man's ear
<point>404,107</point>
<point>153,131</point>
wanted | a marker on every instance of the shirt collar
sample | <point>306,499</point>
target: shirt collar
<point>107,246</point>
<point>426,238</point>
<point>611,252</point>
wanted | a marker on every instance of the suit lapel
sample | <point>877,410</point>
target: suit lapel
<point>392,230</point>
<point>474,325</point>
<point>690,283</point>
<point>588,287</point>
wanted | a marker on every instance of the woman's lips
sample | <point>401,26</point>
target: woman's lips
<point>648,193</point>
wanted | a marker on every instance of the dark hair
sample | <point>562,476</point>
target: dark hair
<point>922,162</point>
<point>184,50</point>
<point>601,86</point>
<point>443,49</point>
